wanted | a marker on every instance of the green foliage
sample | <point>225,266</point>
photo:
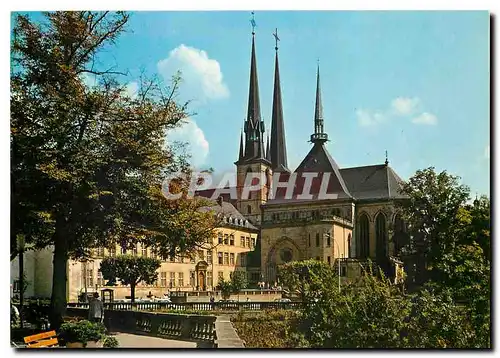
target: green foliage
<point>307,277</point>
<point>110,342</point>
<point>82,331</point>
<point>239,281</point>
<point>98,156</point>
<point>225,287</point>
<point>270,329</point>
<point>130,270</point>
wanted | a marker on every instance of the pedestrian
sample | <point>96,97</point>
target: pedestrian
<point>96,309</point>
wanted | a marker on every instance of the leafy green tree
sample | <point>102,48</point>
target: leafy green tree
<point>307,277</point>
<point>225,287</point>
<point>130,270</point>
<point>88,162</point>
<point>239,282</point>
<point>432,213</point>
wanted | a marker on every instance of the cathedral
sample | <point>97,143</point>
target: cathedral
<point>359,220</point>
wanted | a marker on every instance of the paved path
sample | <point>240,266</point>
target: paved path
<point>127,340</point>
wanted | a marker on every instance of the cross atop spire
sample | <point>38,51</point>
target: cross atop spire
<point>276,38</point>
<point>252,21</point>
<point>319,134</point>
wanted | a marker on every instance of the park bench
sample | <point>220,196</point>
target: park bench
<point>41,340</point>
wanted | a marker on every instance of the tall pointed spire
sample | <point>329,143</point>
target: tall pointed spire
<point>319,135</point>
<point>278,143</point>
<point>253,113</point>
<point>254,125</point>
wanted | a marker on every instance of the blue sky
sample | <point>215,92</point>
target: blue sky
<point>413,83</point>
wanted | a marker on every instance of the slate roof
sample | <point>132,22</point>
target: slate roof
<point>228,210</point>
<point>373,182</point>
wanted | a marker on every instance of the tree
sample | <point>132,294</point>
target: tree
<point>239,281</point>
<point>130,270</point>
<point>432,213</point>
<point>225,287</point>
<point>88,162</point>
<point>307,277</point>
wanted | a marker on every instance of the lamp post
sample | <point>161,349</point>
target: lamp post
<point>20,246</point>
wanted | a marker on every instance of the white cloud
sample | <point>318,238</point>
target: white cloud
<point>131,89</point>
<point>89,79</point>
<point>487,152</point>
<point>367,118</point>
<point>191,134</point>
<point>425,119</point>
<point>201,76</point>
<point>404,106</point>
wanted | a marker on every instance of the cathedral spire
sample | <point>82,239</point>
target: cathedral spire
<point>253,114</point>
<point>278,144</point>
<point>268,152</point>
<point>319,135</point>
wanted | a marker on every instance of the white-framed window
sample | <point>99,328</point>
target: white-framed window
<point>172,279</point>
<point>163,279</point>
<point>181,279</point>
<point>231,258</point>
<point>144,251</point>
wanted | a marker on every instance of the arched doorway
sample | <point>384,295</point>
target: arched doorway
<point>201,274</point>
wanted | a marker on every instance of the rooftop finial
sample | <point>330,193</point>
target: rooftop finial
<point>276,38</point>
<point>252,21</point>
<point>386,158</point>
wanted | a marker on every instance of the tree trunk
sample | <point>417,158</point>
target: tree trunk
<point>132,292</point>
<point>59,278</point>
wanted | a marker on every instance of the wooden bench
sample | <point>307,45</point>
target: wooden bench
<point>40,340</point>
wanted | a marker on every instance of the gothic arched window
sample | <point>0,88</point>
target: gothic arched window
<point>363,236</point>
<point>381,235</point>
<point>249,209</point>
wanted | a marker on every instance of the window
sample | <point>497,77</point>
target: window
<point>242,241</point>
<point>226,239</point>
<point>243,259</point>
<point>144,251</point>
<point>191,278</point>
<point>221,276</point>
<point>363,236</point>
<point>192,259</point>
<point>90,278</point>
<point>153,254</point>
<point>124,250</point>
<point>248,242</point>
<point>226,258</point>
<point>328,239</point>
<point>249,209</point>
<point>220,258</point>
<point>343,271</point>
<point>112,251</point>
<point>231,240</point>
<point>317,258</point>
<point>155,282</point>
<point>231,258</point>
<point>329,260</point>
<point>254,241</point>
<point>172,279</point>
<point>230,275</point>
<point>201,255</point>
<point>181,279</point>
<point>163,279</point>
<point>172,258</point>
<point>220,238</point>
<point>100,279</point>
<point>209,257</point>
<point>209,278</point>
<point>309,241</point>
<point>317,239</point>
<point>100,252</point>
<point>134,250</point>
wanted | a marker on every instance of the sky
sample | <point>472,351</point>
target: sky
<point>414,84</point>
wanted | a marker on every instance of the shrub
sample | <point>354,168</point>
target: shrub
<point>110,342</point>
<point>82,331</point>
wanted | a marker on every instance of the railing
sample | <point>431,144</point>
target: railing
<point>174,326</point>
<point>193,306</point>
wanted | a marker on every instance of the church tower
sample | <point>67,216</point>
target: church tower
<point>252,154</point>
